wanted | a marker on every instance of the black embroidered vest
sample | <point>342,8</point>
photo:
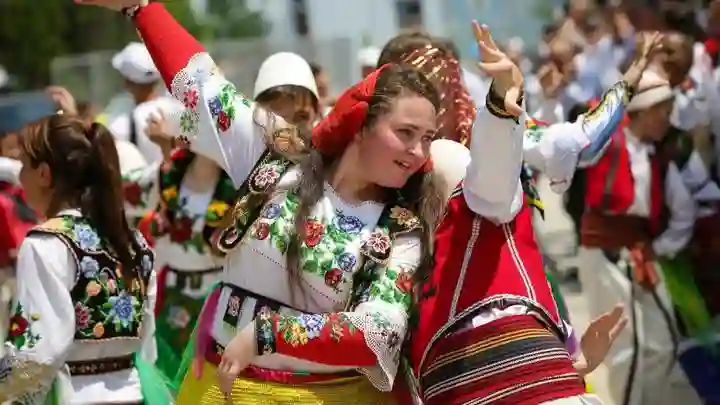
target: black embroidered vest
<point>106,307</point>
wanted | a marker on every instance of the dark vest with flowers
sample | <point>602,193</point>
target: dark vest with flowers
<point>106,306</point>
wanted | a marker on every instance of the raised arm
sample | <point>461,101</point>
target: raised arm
<point>42,326</point>
<point>219,122</point>
<point>557,150</point>
<point>492,185</point>
<point>369,337</point>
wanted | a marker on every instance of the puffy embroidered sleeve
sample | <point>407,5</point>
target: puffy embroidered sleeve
<point>42,325</point>
<point>492,182</point>
<point>141,191</point>
<point>219,121</point>
<point>369,337</point>
<point>557,150</point>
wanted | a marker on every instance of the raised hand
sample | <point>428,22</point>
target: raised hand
<point>600,335</point>
<point>551,80</point>
<point>112,4</point>
<point>63,99</point>
<point>494,63</point>
<point>651,43</point>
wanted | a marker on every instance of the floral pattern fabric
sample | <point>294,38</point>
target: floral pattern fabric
<point>106,305</point>
<point>57,305</point>
<point>192,231</point>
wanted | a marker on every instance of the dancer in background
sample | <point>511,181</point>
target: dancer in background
<point>638,211</point>
<point>194,199</point>
<point>85,280</point>
<point>512,302</point>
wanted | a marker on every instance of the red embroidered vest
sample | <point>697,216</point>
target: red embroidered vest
<point>610,187</point>
<point>479,265</point>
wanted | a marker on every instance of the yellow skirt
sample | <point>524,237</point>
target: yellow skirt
<point>347,391</point>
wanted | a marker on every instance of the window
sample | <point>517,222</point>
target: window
<point>409,13</point>
<point>299,12</point>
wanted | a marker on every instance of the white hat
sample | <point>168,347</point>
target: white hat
<point>653,89</point>
<point>135,64</point>
<point>285,68</point>
<point>369,56</point>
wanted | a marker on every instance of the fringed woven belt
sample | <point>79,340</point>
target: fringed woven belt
<point>514,360</point>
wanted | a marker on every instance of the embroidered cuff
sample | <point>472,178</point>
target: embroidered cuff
<point>265,334</point>
<point>496,104</point>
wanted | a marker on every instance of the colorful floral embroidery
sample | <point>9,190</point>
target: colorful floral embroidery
<point>189,122</point>
<point>190,99</point>
<point>404,217</point>
<point>136,191</point>
<point>222,107</point>
<point>177,222</point>
<point>20,333</point>
<point>323,251</point>
<point>298,330</point>
<point>394,287</point>
<point>105,307</point>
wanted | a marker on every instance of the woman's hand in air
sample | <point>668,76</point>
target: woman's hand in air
<point>599,337</point>
<point>63,99</point>
<point>494,63</point>
<point>113,4</point>
<point>651,44</point>
<point>238,354</point>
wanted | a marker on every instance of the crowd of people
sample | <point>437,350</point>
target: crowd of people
<point>291,247</point>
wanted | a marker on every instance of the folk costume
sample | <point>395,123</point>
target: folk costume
<point>186,225</point>
<point>77,323</point>
<point>335,337</point>
<point>453,317</point>
<point>693,285</point>
<point>183,230</point>
<point>635,196</point>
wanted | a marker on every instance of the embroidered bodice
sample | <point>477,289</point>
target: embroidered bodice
<point>329,254</point>
<point>181,223</point>
<point>106,306</point>
<point>73,306</point>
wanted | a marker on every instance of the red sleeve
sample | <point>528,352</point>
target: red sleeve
<point>169,44</point>
<point>323,338</point>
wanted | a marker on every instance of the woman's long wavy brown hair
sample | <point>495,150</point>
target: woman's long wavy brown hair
<point>422,193</point>
<point>85,171</point>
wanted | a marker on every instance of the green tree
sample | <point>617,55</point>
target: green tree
<point>32,33</point>
<point>233,19</point>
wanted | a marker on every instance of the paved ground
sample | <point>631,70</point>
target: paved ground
<point>556,235</point>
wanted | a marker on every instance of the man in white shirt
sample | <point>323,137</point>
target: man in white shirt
<point>639,216</point>
<point>141,79</point>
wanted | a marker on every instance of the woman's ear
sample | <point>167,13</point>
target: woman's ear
<point>44,175</point>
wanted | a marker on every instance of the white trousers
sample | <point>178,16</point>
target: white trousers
<point>605,284</point>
